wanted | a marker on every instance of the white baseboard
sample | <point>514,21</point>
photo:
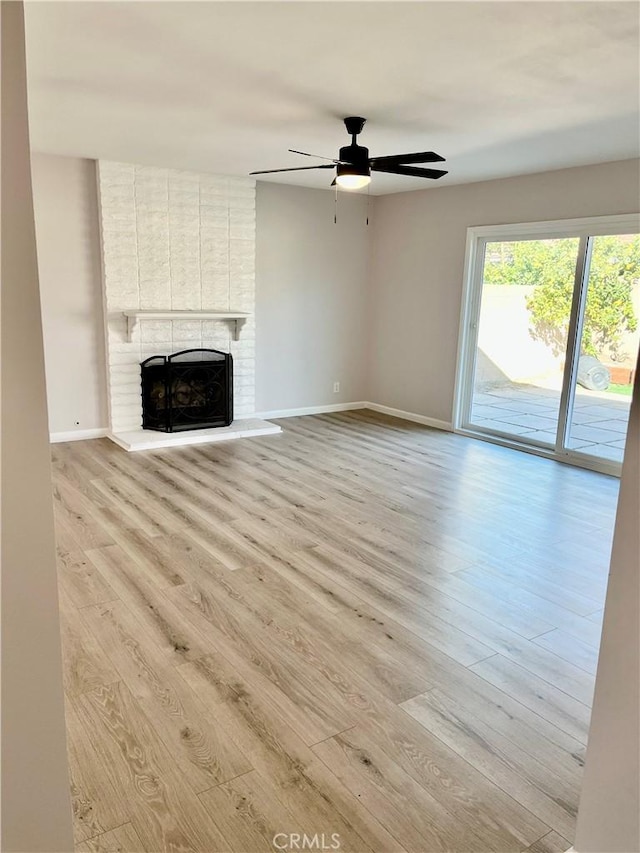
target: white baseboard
<point>310,410</point>
<point>409,416</point>
<point>77,435</point>
<point>347,407</point>
<point>85,434</point>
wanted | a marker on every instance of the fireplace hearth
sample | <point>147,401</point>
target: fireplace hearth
<point>191,389</point>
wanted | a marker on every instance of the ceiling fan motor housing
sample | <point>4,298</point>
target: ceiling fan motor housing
<point>356,154</point>
<point>354,161</point>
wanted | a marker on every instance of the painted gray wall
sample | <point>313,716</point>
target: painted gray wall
<point>417,266</point>
<point>66,212</point>
<point>36,807</point>
<point>608,818</point>
<point>311,297</point>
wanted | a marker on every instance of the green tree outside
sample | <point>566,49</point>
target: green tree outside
<point>549,266</point>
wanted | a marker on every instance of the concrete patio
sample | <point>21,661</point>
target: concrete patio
<point>599,423</point>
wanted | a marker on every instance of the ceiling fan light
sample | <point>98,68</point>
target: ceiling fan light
<point>353,182</point>
<point>352,176</point>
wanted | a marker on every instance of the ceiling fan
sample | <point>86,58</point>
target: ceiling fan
<point>354,166</point>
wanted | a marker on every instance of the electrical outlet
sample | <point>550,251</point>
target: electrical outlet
<point>336,387</point>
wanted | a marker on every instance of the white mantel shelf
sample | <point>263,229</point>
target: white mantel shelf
<point>133,317</point>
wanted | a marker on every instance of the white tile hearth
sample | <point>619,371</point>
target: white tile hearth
<point>146,439</point>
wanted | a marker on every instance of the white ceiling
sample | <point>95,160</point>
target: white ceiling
<point>227,87</point>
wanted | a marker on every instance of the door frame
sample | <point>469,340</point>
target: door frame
<point>477,238</point>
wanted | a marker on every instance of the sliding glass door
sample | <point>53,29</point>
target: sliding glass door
<point>517,381</point>
<point>599,398</point>
<point>549,338</point>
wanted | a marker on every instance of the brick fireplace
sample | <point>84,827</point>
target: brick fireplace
<point>181,245</point>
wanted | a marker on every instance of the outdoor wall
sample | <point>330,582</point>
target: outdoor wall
<point>66,211</point>
<point>311,297</point>
<point>608,818</point>
<point>506,350</point>
<point>417,265</point>
<point>36,806</point>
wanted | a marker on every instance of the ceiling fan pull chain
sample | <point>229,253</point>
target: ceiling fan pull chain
<point>335,208</point>
<point>368,197</point>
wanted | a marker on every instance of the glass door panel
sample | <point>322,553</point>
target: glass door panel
<point>521,338</point>
<point>600,398</point>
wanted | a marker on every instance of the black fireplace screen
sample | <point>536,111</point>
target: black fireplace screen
<point>192,389</point>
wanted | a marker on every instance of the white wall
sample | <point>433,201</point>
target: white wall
<point>311,297</point>
<point>609,818</point>
<point>417,265</point>
<point>66,211</point>
<point>36,806</point>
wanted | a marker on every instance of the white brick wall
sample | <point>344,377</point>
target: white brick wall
<point>175,241</point>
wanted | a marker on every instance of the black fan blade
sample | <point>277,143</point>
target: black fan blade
<point>407,170</point>
<point>319,156</point>
<point>295,169</point>
<point>404,159</point>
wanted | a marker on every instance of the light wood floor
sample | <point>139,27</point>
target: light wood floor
<point>360,626</point>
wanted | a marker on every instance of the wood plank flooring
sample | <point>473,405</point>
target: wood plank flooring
<point>359,627</point>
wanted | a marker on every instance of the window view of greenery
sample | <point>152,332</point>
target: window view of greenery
<point>614,274</point>
<point>527,294</point>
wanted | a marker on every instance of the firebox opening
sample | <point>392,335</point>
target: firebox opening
<point>191,389</point>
